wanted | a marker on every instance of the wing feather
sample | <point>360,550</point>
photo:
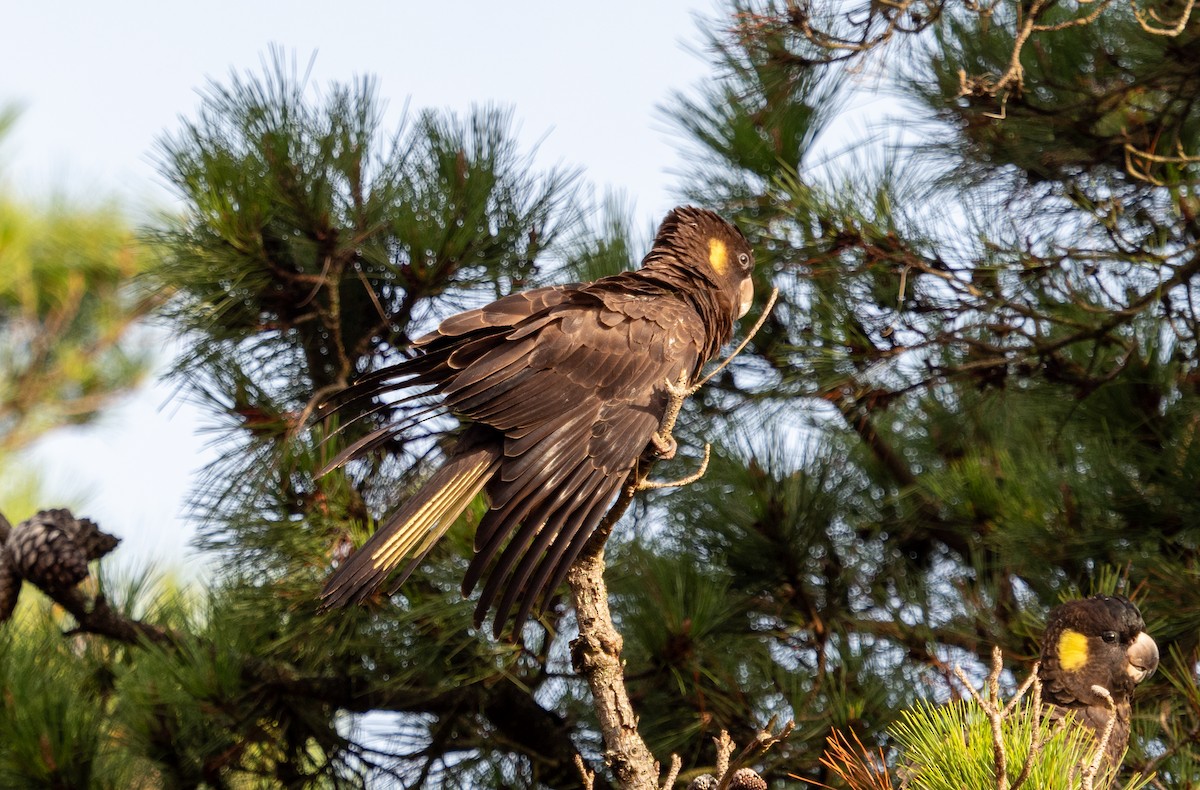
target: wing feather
<point>572,433</point>
<point>562,556</point>
<point>568,383</point>
<point>552,506</point>
<point>423,519</point>
<point>590,489</point>
<point>508,311</point>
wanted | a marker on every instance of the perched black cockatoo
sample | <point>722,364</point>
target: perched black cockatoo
<point>1098,641</point>
<point>562,389</point>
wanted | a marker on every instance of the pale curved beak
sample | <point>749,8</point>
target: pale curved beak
<point>746,294</point>
<point>1143,658</point>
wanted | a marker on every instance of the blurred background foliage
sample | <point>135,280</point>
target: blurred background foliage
<point>67,312</point>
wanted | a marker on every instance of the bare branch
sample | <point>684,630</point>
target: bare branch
<point>1035,747</point>
<point>725,747</point>
<point>596,655</point>
<point>672,773</point>
<point>762,319</point>
<point>1174,29</point>
<point>586,775</point>
<point>995,713</point>
<point>647,485</point>
<point>1093,767</point>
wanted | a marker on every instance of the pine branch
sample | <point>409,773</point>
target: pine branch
<point>859,419</point>
<point>508,707</point>
<point>1097,762</point>
<point>996,713</point>
<point>596,653</point>
<point>100,619</point>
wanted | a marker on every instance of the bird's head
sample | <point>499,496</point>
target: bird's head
<point>1098,641</point>
<point>707,245</point>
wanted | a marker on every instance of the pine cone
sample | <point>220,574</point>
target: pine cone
<point>10,585</point>
<point>747,779</point>
<point>58,517</point>
<point>704,782</point>
<point>46,555</point>
<point>91,541</point>
<point>83,531</point>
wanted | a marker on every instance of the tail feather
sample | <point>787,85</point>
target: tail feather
<point>413,529</point>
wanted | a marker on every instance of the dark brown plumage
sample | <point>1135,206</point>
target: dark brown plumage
<point>562,388</point>
<point>1099,641</point>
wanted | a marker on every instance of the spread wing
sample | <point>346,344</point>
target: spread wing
<point>483,326</point>
<point>575,391</point>
<point>569,383</point>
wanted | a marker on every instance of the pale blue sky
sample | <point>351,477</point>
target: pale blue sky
<point>100,82</point>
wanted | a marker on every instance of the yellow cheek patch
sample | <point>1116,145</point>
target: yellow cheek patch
<point>718,256</point>
<point>1072,650</point>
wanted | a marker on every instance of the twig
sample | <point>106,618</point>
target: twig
<point>101,620</point>
<point>997,714</point>
<point>729,774</point>
<point>1093,767</point>
<point>725,747</point>
<point>766,739</point>
<point>687,480</point>
<point>1174,30</point>
<point>587,776</point>
<point>762,319</point>
<point>1030,682</point>
<point>994,713</point>
<point>1035,747</point>
<point>672,772</point>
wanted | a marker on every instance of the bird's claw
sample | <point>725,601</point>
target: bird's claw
<point>663,446</point>
<point>644,484</point>
<point>679,389</point>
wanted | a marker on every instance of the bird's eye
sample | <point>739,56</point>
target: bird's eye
<point>1109,636</point>
<point>743,259</point>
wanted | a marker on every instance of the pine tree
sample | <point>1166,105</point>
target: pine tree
<point>977,395</point>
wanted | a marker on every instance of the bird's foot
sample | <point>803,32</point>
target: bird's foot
<point>644,485</point>
<point>682,389</point>
<point>663,446</point>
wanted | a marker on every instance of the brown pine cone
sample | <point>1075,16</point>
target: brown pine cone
<point>46,555</point>
<point>87,536</point>
<point>10,585</point>
<point>83,531</point>
<point>747,779</point>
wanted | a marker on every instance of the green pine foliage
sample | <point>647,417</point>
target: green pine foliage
<point>950,746</point>
<point>977,396</point>
<point>69,705</point>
